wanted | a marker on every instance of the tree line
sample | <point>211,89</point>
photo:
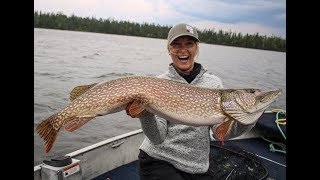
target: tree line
<point>111,26</point>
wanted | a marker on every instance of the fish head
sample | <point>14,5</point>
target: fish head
<point>247,105</point>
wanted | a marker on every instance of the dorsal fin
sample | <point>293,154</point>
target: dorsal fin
<point>78,90</point>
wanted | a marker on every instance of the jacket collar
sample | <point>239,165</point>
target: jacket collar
<point>175,75</point>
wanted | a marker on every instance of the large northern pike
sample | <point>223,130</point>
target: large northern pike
<point>175,101</point>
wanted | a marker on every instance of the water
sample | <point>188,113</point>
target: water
<point>65,59</point>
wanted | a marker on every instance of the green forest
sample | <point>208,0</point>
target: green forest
<point>111,26</point>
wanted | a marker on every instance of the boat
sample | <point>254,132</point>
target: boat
<point>258,154</point>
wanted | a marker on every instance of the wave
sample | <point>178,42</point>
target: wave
<point>113,74</point>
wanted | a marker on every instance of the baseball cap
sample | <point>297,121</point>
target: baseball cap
<point>182,29</point>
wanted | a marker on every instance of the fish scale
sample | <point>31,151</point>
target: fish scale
<point>175,101</point>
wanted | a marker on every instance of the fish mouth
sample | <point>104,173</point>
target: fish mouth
<point>267,96</point>
<point>264,99</point>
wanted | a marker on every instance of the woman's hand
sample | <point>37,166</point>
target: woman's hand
<point>134,109</point>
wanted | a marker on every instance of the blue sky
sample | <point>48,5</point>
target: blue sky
<point>266,17</point>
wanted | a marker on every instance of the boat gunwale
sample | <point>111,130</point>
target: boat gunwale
<point>102,143</point>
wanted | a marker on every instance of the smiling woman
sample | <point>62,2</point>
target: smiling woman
<point>183,49</point>
<point>178,151</point>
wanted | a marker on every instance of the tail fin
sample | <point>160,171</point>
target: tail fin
<point>47,131</point>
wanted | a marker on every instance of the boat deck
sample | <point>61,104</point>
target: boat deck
<point>275,162</point>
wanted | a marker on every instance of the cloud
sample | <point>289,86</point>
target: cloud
<point>245,16</point>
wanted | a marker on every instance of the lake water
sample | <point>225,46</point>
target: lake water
<point>65,59</point>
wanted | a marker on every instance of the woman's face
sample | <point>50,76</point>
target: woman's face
<point>183,51</point>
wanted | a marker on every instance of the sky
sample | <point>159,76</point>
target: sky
<point>266,17</point>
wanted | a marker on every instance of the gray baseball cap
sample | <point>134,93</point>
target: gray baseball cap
<point>182,29</point>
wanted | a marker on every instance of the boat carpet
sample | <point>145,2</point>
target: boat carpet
<point>246,159</point>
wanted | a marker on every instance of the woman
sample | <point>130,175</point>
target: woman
<point>176,151</point>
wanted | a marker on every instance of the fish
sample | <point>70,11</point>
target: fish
<point>175,101</point>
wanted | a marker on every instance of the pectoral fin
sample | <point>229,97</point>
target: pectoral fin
<point>77,91</point>
<point>134,109</point>
<point>222,130</point>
